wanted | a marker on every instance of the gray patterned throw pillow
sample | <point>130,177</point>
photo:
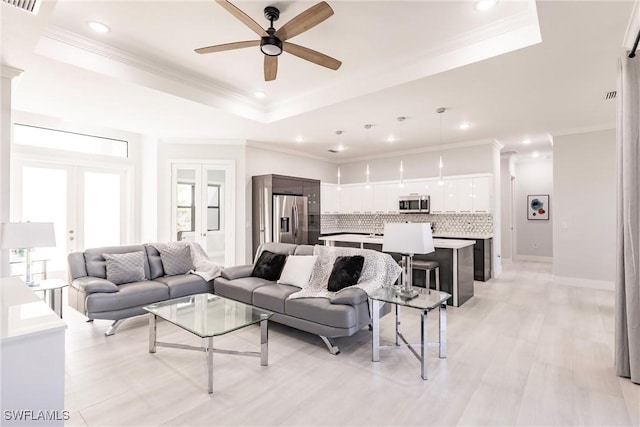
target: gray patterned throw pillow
<point>125,268</point>
<point>176,258</point>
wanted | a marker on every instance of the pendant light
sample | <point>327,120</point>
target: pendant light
<point>368,129</point>
<point>339,188</point>
<point>440,111</point>
<point>401,175</point>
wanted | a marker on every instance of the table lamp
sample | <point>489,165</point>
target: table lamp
<point>408,239</point>
<point>28,236</point>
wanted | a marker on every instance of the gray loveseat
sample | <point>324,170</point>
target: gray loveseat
<point>343,315</point>
<point>93,295</point>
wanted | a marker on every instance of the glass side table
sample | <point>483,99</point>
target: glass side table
<point>52,289</point>
<point>426,301</point>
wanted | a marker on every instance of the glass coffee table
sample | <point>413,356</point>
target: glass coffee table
<point>208,316</point>
<point>426,301</point>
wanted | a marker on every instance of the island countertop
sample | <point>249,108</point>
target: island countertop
<point>378,240</point>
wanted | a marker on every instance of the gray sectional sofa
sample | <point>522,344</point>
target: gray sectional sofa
<point>98,298</point>
<point>343,315</point>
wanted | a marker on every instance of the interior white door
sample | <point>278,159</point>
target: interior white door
<point>203,208</point>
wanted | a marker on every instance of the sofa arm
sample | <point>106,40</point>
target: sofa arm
<point>237,271</point>
<point>349,296</point>
<point>92,285</point>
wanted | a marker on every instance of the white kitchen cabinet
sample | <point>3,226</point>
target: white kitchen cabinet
<point>482,194</point>
<point>465,195</point>
<point>392,196</point>
<point>368,199</point>
<point>436,196</point>
<point>345,199</point>
<point>380,198</point>
<point>329,198</point>
<point>357,198</point>
<point>414,187</point>
<point>451,196</point>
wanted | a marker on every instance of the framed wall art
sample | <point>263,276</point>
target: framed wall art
<point>538,207</point>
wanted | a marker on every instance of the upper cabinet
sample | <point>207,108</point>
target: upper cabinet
<point>454,195</point>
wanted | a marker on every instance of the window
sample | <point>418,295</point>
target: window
<point>186,207</point>
<point>61,140</point>
<point>213,207</point>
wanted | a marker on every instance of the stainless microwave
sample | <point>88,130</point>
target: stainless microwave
<point>414,203</point>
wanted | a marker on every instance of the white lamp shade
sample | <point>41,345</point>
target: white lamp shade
<point>408,238</point>
<point>27,235</point>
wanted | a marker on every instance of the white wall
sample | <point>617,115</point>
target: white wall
<point>507,172</point>
<point>534,238</point>
<point>458,161</point>
<point>585,206</point>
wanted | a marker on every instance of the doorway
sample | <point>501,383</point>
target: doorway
<point>203,207</point>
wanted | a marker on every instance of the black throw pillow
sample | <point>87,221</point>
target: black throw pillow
<point>269,266</point>
<point>346,272</point>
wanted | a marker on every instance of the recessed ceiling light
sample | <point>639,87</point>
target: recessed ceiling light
<point>526,141</point>
<point>340,147</point>
<point>465,125</point>
<point>391,138</point>
<point>98,27</point>
<point>259,94</point>
<point>299,139</point>
<point>484,4</point>
<point>535,154</point>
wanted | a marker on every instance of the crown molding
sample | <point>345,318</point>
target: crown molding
<point>271,147</point>
<point>587,129</point>
<point>9,72</point>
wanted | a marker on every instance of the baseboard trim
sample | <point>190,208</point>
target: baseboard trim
<point>534,258</point>
<point>604,285</point>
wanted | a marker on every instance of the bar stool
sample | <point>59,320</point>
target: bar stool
<point>427,266</point>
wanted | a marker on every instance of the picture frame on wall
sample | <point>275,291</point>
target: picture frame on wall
<point>538,207</point>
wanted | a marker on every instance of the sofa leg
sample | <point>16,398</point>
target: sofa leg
<point>89,320</point>
<point>331,345</point>
<point>114,327</point>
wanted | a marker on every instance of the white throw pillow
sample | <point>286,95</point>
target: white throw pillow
<point>297,270</point>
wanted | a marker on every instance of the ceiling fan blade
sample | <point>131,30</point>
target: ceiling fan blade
<point>305,21</point>
<point>312,56</point>
<point>270,68</point>
<point>246,19</point>
<point>228,46</point>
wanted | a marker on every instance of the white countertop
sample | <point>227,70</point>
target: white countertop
<point>363,238</point>
<point>23,313</point>
<point>456,235</point>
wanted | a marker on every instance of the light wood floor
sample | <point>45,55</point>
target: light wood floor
<point>523,351</point>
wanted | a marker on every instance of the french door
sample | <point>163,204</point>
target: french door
<point>203,208</point>
<point>87,205</point>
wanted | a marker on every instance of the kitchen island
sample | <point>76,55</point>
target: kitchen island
<point>455,258</point>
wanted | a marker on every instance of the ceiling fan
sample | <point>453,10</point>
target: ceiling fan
<point>273,42</point>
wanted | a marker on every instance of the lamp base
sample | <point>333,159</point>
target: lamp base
<point>407,293</point>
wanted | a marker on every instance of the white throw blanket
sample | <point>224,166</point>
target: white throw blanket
<point>202,265</point>
<point>379,270</point>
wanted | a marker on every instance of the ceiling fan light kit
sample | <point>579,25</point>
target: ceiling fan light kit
<point>273,42</point>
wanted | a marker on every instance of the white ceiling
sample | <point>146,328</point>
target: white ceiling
<point>521,70</point>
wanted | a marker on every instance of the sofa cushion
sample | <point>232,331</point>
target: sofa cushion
<point>239,289</point>
<point>155,262</point>
<point>297,270</point>
<point>129,295</point>
<point>269,266</point>
<point>303,250</point>
<point>176,258</point>
<point>97,266</point>
<point>272,297</point>
<point>185,284</point>
<point>345,272</point>
<point>276,248</point>
<point>125,268</point>
<point>320,310</point>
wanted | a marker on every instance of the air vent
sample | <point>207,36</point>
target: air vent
<point>333,151</point>
<point>30,6</point>
<point>611,95</point>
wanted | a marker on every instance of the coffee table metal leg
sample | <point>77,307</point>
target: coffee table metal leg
<point>264,342</point>
<point>424,342</point>
<point>375,326</point>
<point>210,363</point>
<point>443,331</point>
<point>152,333</point>
<point>397,324</point>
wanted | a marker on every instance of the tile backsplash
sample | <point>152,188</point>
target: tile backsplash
<point>441,223</point>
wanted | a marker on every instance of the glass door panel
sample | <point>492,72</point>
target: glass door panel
<point>45,199</point>
<point>214,215</point>
<point>102,216</point>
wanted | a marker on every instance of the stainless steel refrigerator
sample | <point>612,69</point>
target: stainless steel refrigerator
<point>290,219</point>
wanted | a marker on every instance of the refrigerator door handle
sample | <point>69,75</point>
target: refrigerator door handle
<point>294,214</point>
